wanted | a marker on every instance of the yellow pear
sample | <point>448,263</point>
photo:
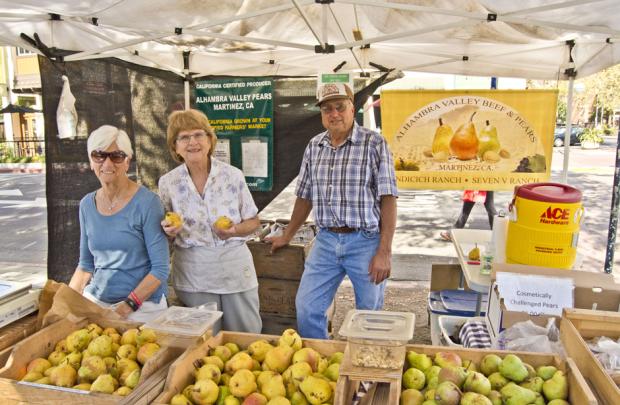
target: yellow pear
<point>39,365</point>
<point>129,337</point>
<point>274,387</point>
<point>316,390</point>
<point>63,376</point>
<point>258,349</point>
<point>291,338</point>
<point>123,391</point>
<point>147,351</point>
<point>441,140</point>
<point>488,140</point>
<point>104,383</point>
<point>127,352</point>
<point>78,340</point>
<point>242,383</point>
<point>101,346</point>
<point>239,361</point>
<point>173,219</point>
<point>32,376</point>
<point>223,223</point>
<point>145,336</point>
<point>180,399</point>
<point>205,392</point>
<point>208,371</point>
<point>278,359</point>
<point>474,254</point>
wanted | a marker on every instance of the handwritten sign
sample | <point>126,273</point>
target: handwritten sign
<point>536,295</point>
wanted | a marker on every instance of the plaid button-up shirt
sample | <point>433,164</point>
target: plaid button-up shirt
<point>345,184</point>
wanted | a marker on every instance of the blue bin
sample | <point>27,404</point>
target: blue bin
<point>452,303</point>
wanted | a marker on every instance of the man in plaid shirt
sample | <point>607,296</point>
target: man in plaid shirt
<point>347,177</point>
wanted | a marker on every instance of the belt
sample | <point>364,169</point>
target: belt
<point>342,229</point>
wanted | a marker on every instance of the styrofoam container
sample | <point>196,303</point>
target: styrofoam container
<point>448,324</point>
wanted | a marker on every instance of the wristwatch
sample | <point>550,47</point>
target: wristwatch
<point>134,307</point>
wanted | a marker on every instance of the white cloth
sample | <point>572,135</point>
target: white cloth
<point>225,193</point>
<point>148,311</point>
<point>217,270</point>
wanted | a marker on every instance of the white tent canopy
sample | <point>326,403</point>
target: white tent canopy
<point>527,38</point>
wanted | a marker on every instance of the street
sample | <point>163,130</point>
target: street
<point>422,214</point>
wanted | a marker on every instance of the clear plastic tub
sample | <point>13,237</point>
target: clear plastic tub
<point>377,339</point>
<point>184,321</point>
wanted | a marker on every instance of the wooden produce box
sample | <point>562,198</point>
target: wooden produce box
<point>578,392</point>
<point>180,373</point>
<point>579,325</point>
<point>42,343</point>
<point>278,279</point>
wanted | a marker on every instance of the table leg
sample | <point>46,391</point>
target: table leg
<point>478,303</point>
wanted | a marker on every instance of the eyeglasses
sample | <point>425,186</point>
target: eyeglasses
<point>185,138</point>
<point>328,109</point>
<point>99,156</point>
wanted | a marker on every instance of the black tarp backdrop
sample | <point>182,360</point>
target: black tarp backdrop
<point>139,100</point>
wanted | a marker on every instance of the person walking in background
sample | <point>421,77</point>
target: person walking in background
<point>470,198</point>
<point>347,177</point>
<point>124,260</point>
<point>210,264</point>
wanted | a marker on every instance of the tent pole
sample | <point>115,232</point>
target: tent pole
<point>186,79</point>
<point>569,120</point>
<point>613,215</point>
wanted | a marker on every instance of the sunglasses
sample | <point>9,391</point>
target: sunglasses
<point>339,107</point>
<point>99,156</point>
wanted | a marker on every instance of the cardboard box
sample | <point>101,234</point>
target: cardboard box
<point>181,371</point>
<point>592,291</point>
<point>579,325</point>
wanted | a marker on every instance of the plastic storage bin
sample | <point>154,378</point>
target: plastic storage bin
<point>460,303</point>
<point>377,339</point>
<point>184,323</point>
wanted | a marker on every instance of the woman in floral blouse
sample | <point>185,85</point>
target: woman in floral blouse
<point>209,264</point>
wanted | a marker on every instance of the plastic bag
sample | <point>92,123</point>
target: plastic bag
<point>529,337</point>
<point>607,351</point>
<point>66,115</point>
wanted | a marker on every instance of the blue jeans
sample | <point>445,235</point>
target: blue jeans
<point>333,256</point>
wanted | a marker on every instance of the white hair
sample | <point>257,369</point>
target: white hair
<point>104,136</point>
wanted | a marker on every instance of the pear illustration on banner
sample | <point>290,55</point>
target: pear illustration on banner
<point>441,141</point>
<point>464,143</point>
<point>488,140</point>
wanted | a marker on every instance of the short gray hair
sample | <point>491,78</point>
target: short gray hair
<point>104,136</point>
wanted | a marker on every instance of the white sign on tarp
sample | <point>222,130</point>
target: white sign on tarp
<point>536,295</point>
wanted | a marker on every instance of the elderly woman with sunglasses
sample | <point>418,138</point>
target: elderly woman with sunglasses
<point>124,259</point>
<point>209,264</point>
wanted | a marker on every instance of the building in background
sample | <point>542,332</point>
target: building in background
<point>21,133</point>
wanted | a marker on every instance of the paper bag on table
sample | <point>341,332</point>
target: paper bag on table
<point>68,303</point>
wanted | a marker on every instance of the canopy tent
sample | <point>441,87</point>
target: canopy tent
<point>531,38</point>
<point>535,39</point>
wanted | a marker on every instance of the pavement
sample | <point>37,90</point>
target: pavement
<point>422,215</point>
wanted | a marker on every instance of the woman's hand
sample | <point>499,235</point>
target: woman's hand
<point>170,230</point>
<point>123,310</point>
<point>224,234</point>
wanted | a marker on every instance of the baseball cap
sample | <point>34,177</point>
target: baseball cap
<point>332,91</point>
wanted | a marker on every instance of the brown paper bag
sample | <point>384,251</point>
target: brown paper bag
<point>45,300</point>
<point>68,303</point>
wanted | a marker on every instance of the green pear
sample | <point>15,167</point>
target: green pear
<point>258,349</point>
<point>455,374</point>
<point>316,390</point>
<point>513,394</point>
<point>55,358</point>
<point>430,402</point>
<point>231,400</point>
<point>490,364</point>
<point>556,387</point>
<point>474,398</point>
<point>558,402</point>
<point>497,381</point>
<point>39,365</point>
<point>411,396</point>
<point>101,346</point>
<point>469,365</point>
<point>488,140</point>
<point>336,358</point>
<point>535,384</point>
<point>429,394</point>
<point>44,380</point>
<point>132,379</point>
<point>531,371</point>
<point>431,372</point>
<point>332,372</point>
<point>205,392</point>
<point>279,401</point>
<point>419,360</point>
<point>291,338</point>
<point>104,383</point>
<point>297,398</point>
<point>414,378</point>
<point>546,372</point>
<point>242,383</point>
<point>477,382</point>
<point>540,400</point>
<point>32,376</point>
<point>224,392</point>
<point>447,393</point>
<point>74,359</point>
<point>513,369</point>
<point>225,379</point>
<point>495,397</point>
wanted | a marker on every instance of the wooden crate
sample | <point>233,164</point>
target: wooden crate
<point>274,324</point>
<point>277,296</point>
<point>180,373</point>
<point>580,324</point>
<point>42,343</point>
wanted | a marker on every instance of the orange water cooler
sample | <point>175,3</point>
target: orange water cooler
<point>543,229</point>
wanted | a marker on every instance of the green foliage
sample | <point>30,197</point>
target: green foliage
<point>591,135</point>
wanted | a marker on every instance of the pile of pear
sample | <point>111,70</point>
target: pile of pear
<point>446,379</point>
<point>96,359</point>
<point>281,372</point>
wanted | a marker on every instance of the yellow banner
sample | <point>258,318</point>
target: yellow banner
<point>469,139</point>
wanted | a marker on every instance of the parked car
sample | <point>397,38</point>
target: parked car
<point>558,135</point>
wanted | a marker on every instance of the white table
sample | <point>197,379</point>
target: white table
<point>464,240</point>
